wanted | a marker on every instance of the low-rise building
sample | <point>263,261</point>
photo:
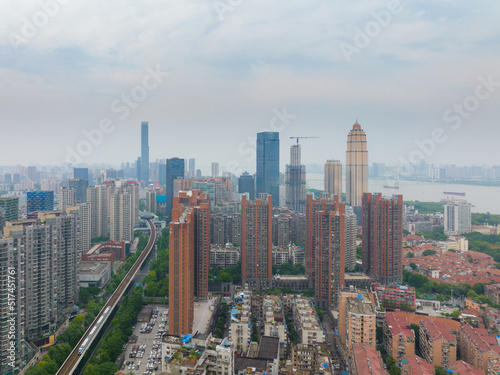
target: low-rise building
<point>437,344</point>
<point>224,256</point>
<point>477,347</point>
<point>225,358</point>
<point>304,358</point>
<point>274,321</point>
<point>399,338</point>
<point>93,274</point>
<point>240,328</point>
<point>366,360</point>
<point>306,322</point>
<point>397,296</point>
<point>415,365</point>
<point>464,368</point>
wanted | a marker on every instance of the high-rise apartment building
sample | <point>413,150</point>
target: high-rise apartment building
<point>295,181</point>
<point>329,255</point>
<point>215,169</point>
<point>457,217</point>
<point>83,214</point>
<point>256,242</point>
<point>120,216</point>
<point>313,206</point>
<point>151,202</point>
<point>351,230</point>
<point>383,237</point>
<point>80,186</point>
<point>333,178</point>
<point>145,152</point>
<point>132,188</point>
<point>40,201</point>
<point>175,171</point>
<point>66,198</point>
<point>268,165</point>
<point>11,207</point>
<point>246,184</point>
<point>97,197</point>
<point>356,166</point>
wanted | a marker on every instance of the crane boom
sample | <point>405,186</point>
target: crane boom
<point>301,138</point>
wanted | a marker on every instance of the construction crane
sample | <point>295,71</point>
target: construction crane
<point>301,137</point>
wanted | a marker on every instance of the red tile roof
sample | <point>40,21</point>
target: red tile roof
<point>463,368</point>
<point>437,330</point>
<point>368,360</point>
<point>417,366</point>
<point>399,325</point>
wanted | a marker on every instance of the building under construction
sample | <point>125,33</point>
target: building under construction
<point>295,181</point>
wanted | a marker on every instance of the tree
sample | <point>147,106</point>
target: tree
<point>413,266</point>
<point>416,330</point>
<point>409,254</point>
<point>438,370</point>
<point>428,252</point>
<point>455,314</point>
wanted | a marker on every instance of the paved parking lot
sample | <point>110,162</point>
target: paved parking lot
<point>147,351</point>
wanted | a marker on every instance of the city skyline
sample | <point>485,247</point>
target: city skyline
<point>215,71</point>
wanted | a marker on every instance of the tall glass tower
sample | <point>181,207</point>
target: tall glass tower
<point>145,152</point>
<point>268,165</point>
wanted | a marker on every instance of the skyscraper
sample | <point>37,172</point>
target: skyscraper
<point>189,240</point>
<point>268,165</point>
<point>324,203</point>
<point>66,198</point>
<point>80,186</point>
<point>457,217</point>
<point>97,197</point>
<point>351,230</point>
<point>175,171</point>
<point>383,237</point>
<point>81,173</point>
<point>356,166</point>
<point>215,169</point>
<point>333,177</point>
<point>246,184</point>
<point>256,242</point>
<point>145,152</point>
<point>295,181</point>
<point>40,201</point>
<point>11,207</point>
<point>120,216</point>
<point>329,254</point>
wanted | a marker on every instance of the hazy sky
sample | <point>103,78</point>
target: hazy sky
<point>208,75</point>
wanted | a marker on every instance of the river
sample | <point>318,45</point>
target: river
<point>482,198</point>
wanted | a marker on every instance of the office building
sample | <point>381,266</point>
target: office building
<point>333,177</point>
<point>351,231</point>
<point>80,186</point>
<point>192,167</point>
<point>268,165</point>
<point>437,344</point>
<point>145,152</point>
<point>313,206</point>
<point>329,255</point>
<point>246,184</point>
<point>97,197</point>
<point>81,174</point>
<point>215,169</point>
<point>66,198</point>
<point>11,207</point>
<point>175,171</point>
<point>295,181</point>
<point>457,217</point>
<point>357,319</point>
<point>383,238</point>
<point>40,201</point>
<point>120,216</point>
<point>356,166</point>
<point>256,242</point>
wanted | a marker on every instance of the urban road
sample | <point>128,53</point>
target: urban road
<point>74,358</point>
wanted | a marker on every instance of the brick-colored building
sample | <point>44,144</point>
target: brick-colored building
<point>401,297</point>
<point>357,319</point>
<point>437,344</point>
<point>477,347</point>
<point>383,238</point>
<point>415,365</point>
<point>399,338</point>
<point>189,240</point>
<point>366,360</point>
<point>464,368</point>
<point>256,242</point>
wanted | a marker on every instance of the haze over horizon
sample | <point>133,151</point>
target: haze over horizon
<point>208,76</point>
